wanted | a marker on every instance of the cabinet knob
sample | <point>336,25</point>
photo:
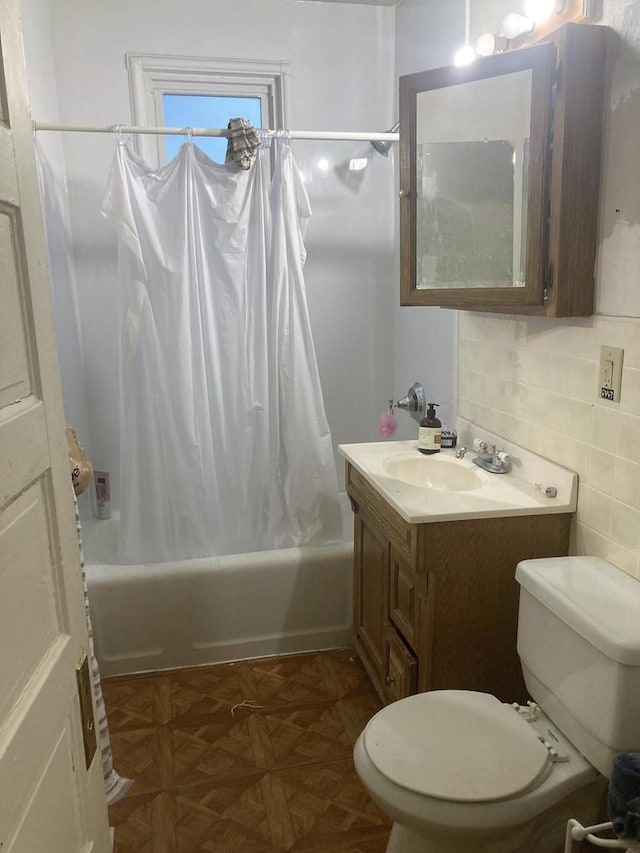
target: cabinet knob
<point>388,680</point>
<point>404,193</point>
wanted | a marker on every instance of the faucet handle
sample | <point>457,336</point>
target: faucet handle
<point>481,446</point>
<point>503,456</point>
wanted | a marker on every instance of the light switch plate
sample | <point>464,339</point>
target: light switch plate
<point>610,376</point>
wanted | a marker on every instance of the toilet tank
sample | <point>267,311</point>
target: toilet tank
<point>579,644</point>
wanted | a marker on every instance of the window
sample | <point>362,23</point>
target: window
<point>192,92</point>
<point>206,111</point>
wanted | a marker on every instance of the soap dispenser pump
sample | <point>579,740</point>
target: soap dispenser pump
<point>430,431</point>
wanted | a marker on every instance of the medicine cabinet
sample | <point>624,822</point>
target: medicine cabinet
<point>499,178</point>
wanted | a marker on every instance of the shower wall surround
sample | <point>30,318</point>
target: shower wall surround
<point>534,380</point>
<point>368,348</point>
<point>351,269</point>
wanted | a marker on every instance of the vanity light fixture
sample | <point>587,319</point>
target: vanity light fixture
<point>515,25</point>
<point>490,43</point>
<point>464,56</point>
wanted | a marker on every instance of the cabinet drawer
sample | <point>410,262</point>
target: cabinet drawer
<point>405,591</point>
<point>400,668</point>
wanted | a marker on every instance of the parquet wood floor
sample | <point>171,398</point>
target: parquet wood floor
<point>212,777</point>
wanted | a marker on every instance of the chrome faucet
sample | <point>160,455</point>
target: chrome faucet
<point>490,459</point>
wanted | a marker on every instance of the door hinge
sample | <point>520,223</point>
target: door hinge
<point>83,680</point>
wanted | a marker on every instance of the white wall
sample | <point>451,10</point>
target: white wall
<point>427,34</point>
<point>342,59</point>
<point>534,380</point>
<point>43,99</point>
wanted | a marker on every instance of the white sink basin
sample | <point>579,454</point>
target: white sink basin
<point>442,488</point>
<point>433,472</point>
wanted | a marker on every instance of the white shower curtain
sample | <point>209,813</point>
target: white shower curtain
<point>225,443</point>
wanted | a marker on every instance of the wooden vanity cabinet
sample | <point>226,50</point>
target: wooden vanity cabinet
<point>436,605</point>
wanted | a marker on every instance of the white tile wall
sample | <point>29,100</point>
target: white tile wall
<point>534,382</point>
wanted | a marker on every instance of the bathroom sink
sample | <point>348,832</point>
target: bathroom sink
<point>441,487</point>
<point>433,472</point>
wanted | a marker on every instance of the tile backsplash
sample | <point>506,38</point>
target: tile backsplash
<point>533,381</point>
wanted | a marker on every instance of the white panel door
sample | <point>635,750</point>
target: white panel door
<point>49,801</point>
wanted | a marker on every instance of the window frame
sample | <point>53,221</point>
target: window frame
<point>152,75</point>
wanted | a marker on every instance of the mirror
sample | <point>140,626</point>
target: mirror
<point>474,174</point>
<point>472,143</point>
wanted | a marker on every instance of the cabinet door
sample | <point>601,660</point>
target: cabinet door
<point>404,602</point>
<point>370,593</point>
<point>400,668</point>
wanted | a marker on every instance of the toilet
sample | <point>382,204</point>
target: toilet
<point>461,771</point>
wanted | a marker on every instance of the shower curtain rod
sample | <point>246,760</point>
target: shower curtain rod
<point>216,131</point>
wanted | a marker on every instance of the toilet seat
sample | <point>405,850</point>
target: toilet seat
<point>456,745</point>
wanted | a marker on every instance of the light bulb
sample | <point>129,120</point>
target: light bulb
<point>490,43</point>
<point>464,56</point>
<point>515,25</point>
<point>540,10</point>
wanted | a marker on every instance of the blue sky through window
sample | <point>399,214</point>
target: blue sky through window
<point>206,111</point>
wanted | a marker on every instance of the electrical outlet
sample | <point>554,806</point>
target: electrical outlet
<point>610,377</point>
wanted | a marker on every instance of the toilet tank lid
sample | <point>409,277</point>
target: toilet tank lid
<point>597,600</point>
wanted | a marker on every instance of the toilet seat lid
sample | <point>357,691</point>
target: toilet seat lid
<point>456,745</point>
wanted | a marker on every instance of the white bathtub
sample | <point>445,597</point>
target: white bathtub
<point>215,609</point>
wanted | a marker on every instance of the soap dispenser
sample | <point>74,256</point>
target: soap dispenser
<point>430,431</point>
